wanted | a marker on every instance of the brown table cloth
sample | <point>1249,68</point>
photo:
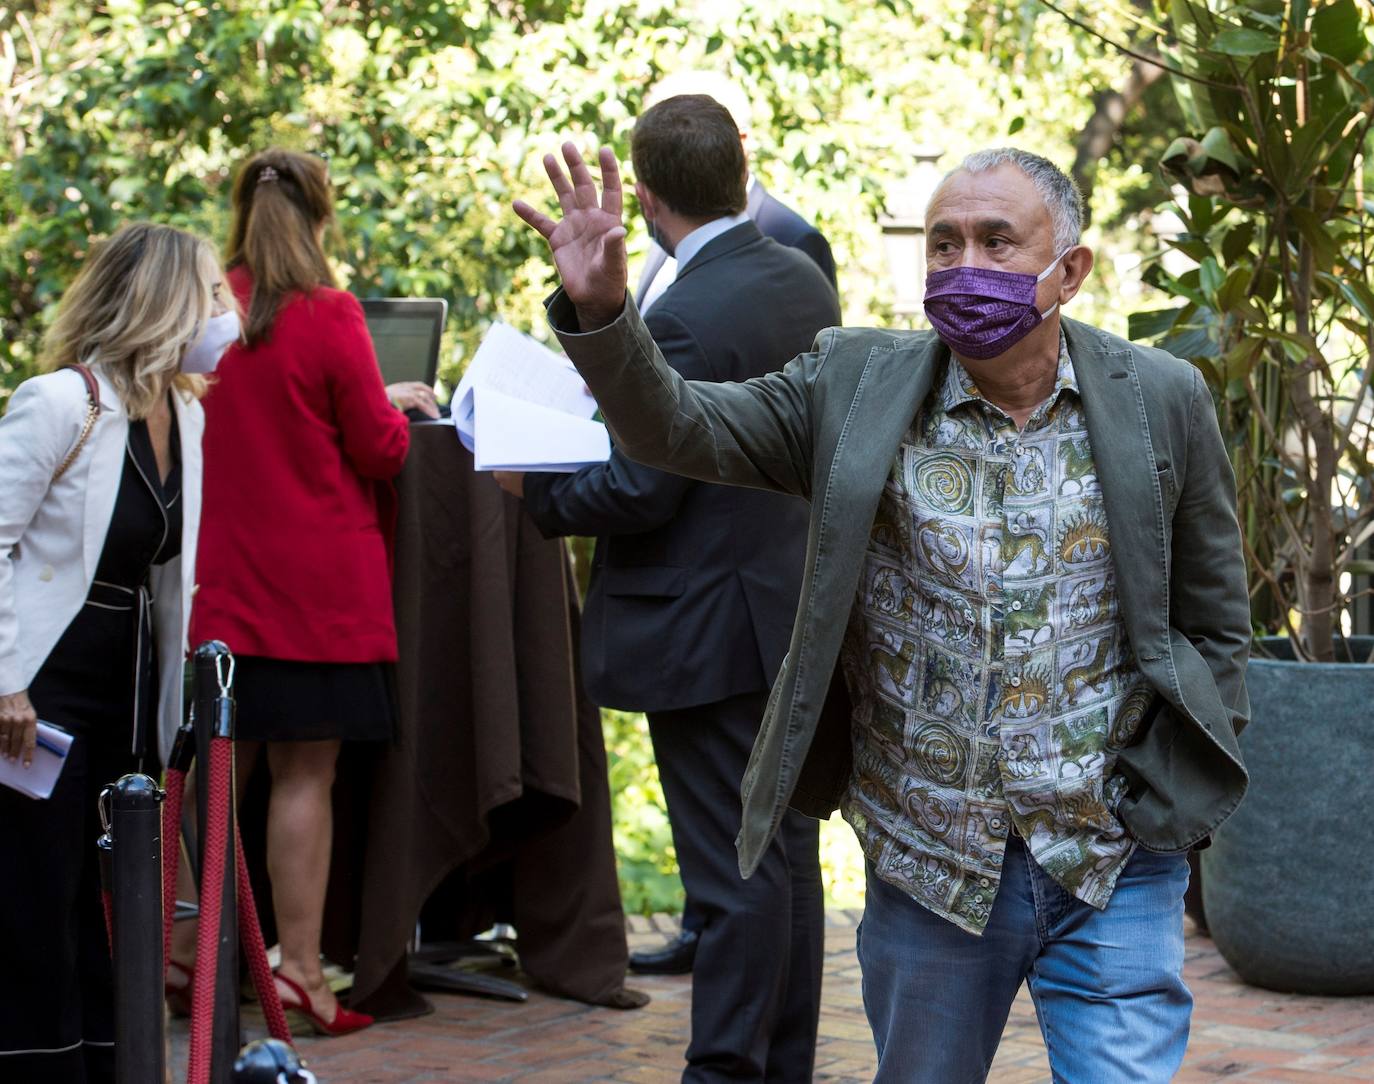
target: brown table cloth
<point>498,764</point>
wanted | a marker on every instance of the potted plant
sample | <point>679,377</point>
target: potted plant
<point>1278,313</point>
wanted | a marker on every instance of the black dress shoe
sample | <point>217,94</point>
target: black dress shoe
<point>674,958</point>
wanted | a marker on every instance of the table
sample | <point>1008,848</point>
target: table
<point>496,784</point>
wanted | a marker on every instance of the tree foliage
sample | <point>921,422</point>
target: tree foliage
<point>434,113</point>
<point>1278,309</point>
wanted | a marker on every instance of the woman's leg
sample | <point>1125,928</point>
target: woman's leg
<point>299,837</point>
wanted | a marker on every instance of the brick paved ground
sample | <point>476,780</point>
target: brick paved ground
<point>1239,1033</point>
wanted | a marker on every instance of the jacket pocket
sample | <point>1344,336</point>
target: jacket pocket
<point>1168,488</point>
<point>647,581</point>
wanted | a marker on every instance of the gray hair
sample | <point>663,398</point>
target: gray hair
<point>1060,194</point>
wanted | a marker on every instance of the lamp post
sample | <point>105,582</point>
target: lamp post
<point>904,230</point>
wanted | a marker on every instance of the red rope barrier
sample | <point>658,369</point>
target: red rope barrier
<point>213,858</point>
<point>213,873</point>
<point>171,858</point>
<point>107,905</point>
<point>256,950</point>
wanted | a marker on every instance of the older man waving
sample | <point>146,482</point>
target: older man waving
<point>1018,661</point>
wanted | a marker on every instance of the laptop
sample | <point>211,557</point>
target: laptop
<point>405,334</point>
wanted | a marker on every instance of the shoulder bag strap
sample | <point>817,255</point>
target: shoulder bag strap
<point>92,413</point>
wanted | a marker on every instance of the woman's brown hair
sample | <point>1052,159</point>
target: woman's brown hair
<point>280,202</point>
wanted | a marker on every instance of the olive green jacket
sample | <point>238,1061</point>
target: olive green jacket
<point>828,428</point>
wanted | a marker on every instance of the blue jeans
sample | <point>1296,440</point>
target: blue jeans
<point>1107,985</point>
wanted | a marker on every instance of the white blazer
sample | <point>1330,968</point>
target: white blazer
<point>52,535</point>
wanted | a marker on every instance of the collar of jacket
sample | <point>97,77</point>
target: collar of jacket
<point>899,377</point>
<point>730,241</point>
<point>107,465</point>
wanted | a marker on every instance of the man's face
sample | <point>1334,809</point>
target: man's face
<point>995,219</point>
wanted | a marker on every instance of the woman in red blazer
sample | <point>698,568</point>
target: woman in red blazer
<point>301,444</point>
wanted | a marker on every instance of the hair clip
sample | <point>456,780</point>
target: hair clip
<point>267,175</point>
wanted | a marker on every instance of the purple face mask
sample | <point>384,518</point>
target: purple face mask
<point>981,312</point>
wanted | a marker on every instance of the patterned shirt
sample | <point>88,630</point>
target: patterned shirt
<point>992,680</point>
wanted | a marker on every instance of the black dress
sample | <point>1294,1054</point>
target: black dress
<point>99,683</point>
<point>289,700</point>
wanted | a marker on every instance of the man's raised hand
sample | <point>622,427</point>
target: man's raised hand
<point>588,245</point>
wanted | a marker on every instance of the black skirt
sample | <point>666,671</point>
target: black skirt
<point>283,700</point>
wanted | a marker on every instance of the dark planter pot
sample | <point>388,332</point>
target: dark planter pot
<point>1289,880</point>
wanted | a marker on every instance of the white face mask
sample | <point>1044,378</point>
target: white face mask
<point>219,333</point>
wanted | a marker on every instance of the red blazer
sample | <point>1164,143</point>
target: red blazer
<point>300,447</point>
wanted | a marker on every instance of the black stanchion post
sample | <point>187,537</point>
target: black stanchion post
<point>136,906</point>
<point>213,705</point>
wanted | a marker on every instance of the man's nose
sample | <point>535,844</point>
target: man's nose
<point>974,256</point>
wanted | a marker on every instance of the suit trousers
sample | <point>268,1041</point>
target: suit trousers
<point>756,985</point>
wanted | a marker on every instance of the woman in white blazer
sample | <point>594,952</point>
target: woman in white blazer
<point>100,480</point>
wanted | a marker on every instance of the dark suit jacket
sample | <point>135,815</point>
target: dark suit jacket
<point>777,220</point>
<point>694,587</point>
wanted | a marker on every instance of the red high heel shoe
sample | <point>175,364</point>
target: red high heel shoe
<point>345,1021</point>
<point>178,995</point>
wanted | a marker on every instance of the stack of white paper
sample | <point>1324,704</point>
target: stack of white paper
<point>521,407</point>
<point>49,758</point>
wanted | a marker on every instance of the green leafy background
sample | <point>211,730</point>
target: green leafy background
<point>434,115</point>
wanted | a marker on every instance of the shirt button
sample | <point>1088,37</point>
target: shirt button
<point>1016,605</point>
<point>1015,529</point>
<point>1016,683</point>
<point>46,574</point>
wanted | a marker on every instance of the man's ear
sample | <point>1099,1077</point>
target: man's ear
<point>648,203</point>
<point>1078,261</point>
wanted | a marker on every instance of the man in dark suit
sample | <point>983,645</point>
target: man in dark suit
<point>773,217</point>
<point>693,594</point>
<point>776,220</point>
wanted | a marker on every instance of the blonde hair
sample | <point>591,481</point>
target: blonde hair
<point>140,299</point>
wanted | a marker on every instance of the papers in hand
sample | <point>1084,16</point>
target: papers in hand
<point>521,407</point>
<point>515,434</point>
<point>49,758</point>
